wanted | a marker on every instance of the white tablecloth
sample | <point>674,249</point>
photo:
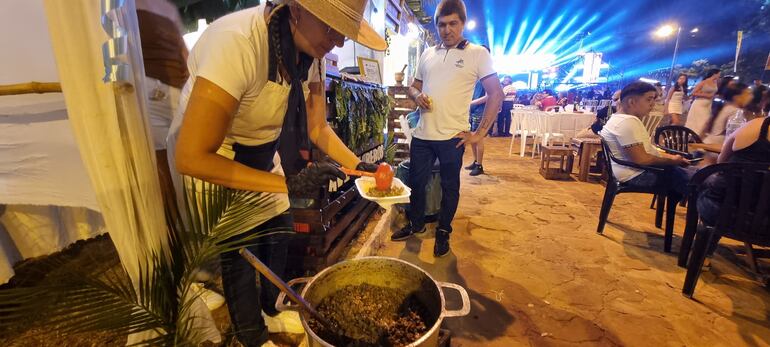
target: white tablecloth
<point>50,202</point>
<point>568,124</point>
<point>39,160</point>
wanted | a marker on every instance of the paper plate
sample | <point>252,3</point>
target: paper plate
<point>363,184</point>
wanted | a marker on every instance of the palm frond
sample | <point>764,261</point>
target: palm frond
<point>161,301</point>
<point>77,302</point>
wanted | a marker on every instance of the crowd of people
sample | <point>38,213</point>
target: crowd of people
<point>705,108</point>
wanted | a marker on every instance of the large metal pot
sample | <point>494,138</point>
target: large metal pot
<point>383,272</point>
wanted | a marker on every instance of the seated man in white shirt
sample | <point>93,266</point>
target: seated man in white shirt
<point>628,140</point>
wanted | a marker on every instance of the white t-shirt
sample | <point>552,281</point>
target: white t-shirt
<point>448,77</point>
<point>510,93</point>
<point>623,131</point>
<point>233,53</point>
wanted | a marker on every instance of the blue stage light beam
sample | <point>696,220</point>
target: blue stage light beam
<point>524,35</point>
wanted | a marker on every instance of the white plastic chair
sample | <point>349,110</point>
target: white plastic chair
<point>651,122</point>
<point>517,118</point>
<point>521,119</point>
<point>516,115</point>
<point>590,105</point>
<point>552,122</point>
<point>532,125</point>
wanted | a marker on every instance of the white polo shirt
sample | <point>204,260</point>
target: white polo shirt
<point>448,77</point>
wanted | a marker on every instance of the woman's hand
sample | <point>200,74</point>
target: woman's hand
<point>368,167</point>
<point>308,181</point>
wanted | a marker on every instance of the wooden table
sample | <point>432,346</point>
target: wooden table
<point>561,157</point>
<point>585,149</point>
<point>708,147</point>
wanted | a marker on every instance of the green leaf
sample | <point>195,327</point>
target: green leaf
<point>77,300</point>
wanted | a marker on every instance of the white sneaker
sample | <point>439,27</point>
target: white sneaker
<point>212,299</point>
<point>285,322</point>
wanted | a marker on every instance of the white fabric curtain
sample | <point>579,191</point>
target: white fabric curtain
<point>111,127</point>
<point>49,202</point>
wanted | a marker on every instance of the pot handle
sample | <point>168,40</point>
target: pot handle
<point>466,308</point>
<point>280,304</point>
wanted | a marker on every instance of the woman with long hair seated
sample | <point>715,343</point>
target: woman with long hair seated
<point>749,144</point>
<point>734,99</point>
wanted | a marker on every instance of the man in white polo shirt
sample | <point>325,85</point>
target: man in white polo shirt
<point>443,88</point>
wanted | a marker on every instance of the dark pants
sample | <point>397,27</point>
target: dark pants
<point>708,209</point>
<point>423,154</point>
<point>246,297</point>
<point>504,119</point>
<point>676,180</point>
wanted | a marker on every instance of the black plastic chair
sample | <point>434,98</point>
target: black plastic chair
<point>615,187</point>
<point>674,139</point>
<point>744,215</point>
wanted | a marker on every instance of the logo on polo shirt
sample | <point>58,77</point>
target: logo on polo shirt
<point>460,63</point>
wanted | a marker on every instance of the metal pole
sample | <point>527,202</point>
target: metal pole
<point>673,60</point>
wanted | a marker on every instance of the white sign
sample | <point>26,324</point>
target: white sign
<point>370,70</point>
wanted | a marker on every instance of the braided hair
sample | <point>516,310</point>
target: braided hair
<point>278,18</point>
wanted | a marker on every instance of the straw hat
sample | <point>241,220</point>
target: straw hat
<point>347,18</point>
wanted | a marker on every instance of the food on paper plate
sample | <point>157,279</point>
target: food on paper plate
<point>392,191</point>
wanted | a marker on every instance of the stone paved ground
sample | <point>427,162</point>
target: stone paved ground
<point>538,274</point>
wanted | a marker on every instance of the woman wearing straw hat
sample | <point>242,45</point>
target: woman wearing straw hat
<point>256,90</point>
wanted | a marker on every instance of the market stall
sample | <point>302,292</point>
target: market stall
<point>327,224</point>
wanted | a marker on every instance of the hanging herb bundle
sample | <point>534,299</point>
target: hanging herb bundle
<point>381,106</point>
<point>362,113</point>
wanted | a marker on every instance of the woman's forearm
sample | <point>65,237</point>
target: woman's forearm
<point>327,141</point>
<point>479,101</point>
<point>206,122</point>
<point>219,170</point>
<point>697,92</point>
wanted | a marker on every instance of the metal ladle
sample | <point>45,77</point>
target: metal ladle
<point>293,296</point>
<point>383,177</point>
